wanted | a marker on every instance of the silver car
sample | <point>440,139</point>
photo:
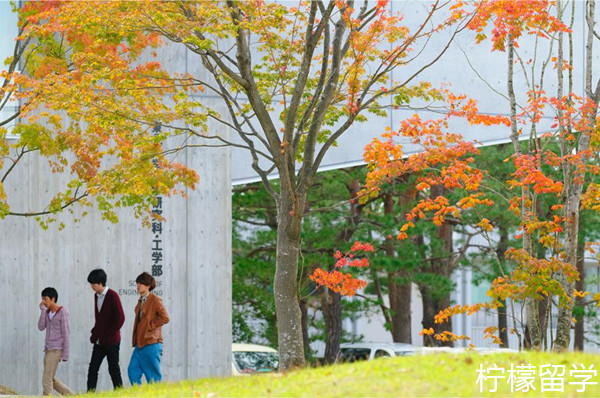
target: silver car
<point>351,352</point>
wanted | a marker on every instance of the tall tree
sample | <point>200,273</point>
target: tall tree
<point>554,166</point>
<point>330,223</point>
<point>574,134</point>
<point>293,79</point>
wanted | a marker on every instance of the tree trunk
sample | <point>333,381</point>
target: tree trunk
<point>400,302</point>
<point>502,314</point>
<point>331,306</point>
<point>431,307</point>
<point>532,327</point>
<point>400,293</point>
<point>503,324</point>
<point>305,339</point>
<point>533,334</point>
<point>428,315</point>
<point>544,303</point>
<point>442,264</point>
<point>573,186</point>
<point>565,309</point>
<point>544,308</point>
<point>287,308</point>
<point>579,301</point>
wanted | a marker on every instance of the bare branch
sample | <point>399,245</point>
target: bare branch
<point>46,212</point>
<point>15,161</point>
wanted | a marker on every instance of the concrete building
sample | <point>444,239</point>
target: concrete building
<point>190,254</point>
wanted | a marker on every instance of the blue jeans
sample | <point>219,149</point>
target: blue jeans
<point>146,361</point>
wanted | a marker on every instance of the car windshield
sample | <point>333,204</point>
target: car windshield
<point>348,354</point>
<point>255,361</point>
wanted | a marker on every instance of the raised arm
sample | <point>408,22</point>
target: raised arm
<point>42,320</point>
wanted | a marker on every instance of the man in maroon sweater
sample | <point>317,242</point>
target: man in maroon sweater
<point>106,336</point>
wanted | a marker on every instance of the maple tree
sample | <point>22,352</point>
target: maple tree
<point>291,81</point>
<point>107,160</point>
<point>573,132</point>
<point>427,259</point>
<point>555,166</point>
<point>331,222</point>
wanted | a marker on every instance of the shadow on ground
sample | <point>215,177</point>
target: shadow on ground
<point>6,391</point>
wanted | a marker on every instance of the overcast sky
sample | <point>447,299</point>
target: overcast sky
<point>8,31</point>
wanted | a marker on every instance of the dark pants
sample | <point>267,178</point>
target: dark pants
<point>112,356</point>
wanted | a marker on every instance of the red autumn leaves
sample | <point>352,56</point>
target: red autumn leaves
<point>344,283</point>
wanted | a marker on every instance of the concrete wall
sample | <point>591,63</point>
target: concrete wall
<point>467,68</point>
<point>195,284</point>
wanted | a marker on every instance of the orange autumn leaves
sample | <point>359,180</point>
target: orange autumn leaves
<point>511,18</point>
<point>444,159</point>
<point>447,161</point>
<point>90,107</point>
<point>344,283</point>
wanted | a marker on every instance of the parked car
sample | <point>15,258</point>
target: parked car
<point>253,358</point>
<point>351,352</point>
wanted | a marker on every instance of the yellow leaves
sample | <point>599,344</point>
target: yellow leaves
<point>596,298</point>
<point>426,332</point>
<point>534,278</point>
<point>591,197</point>
<point>402,234</point>
<point>581,294</point>
<point>406,226</point>
<point>458,309</point>
<point>490,329</point>
<point>490,333</point>
<point>449,336</point>
<point>55,120</point>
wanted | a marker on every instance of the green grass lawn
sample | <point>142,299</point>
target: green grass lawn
<point>422,376</point>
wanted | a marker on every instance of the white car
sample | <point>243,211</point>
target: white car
<point>351,352</point>
<point>253,358</point>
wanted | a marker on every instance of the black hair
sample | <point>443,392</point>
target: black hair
<point>146,279</point>
<point>97,276</point>
<point>51,293</point>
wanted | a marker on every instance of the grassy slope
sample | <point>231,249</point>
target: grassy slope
<point>432,375</point>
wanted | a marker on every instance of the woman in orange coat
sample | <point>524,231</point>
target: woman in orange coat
<point>150,316</point>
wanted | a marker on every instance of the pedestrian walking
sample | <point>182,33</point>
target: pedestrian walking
<point>150,316</point>
<point>54,319</point>
<point>105,335</point>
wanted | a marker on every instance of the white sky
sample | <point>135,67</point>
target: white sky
<point>8,31</point>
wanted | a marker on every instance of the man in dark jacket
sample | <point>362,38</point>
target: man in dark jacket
<point>106,336</point>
